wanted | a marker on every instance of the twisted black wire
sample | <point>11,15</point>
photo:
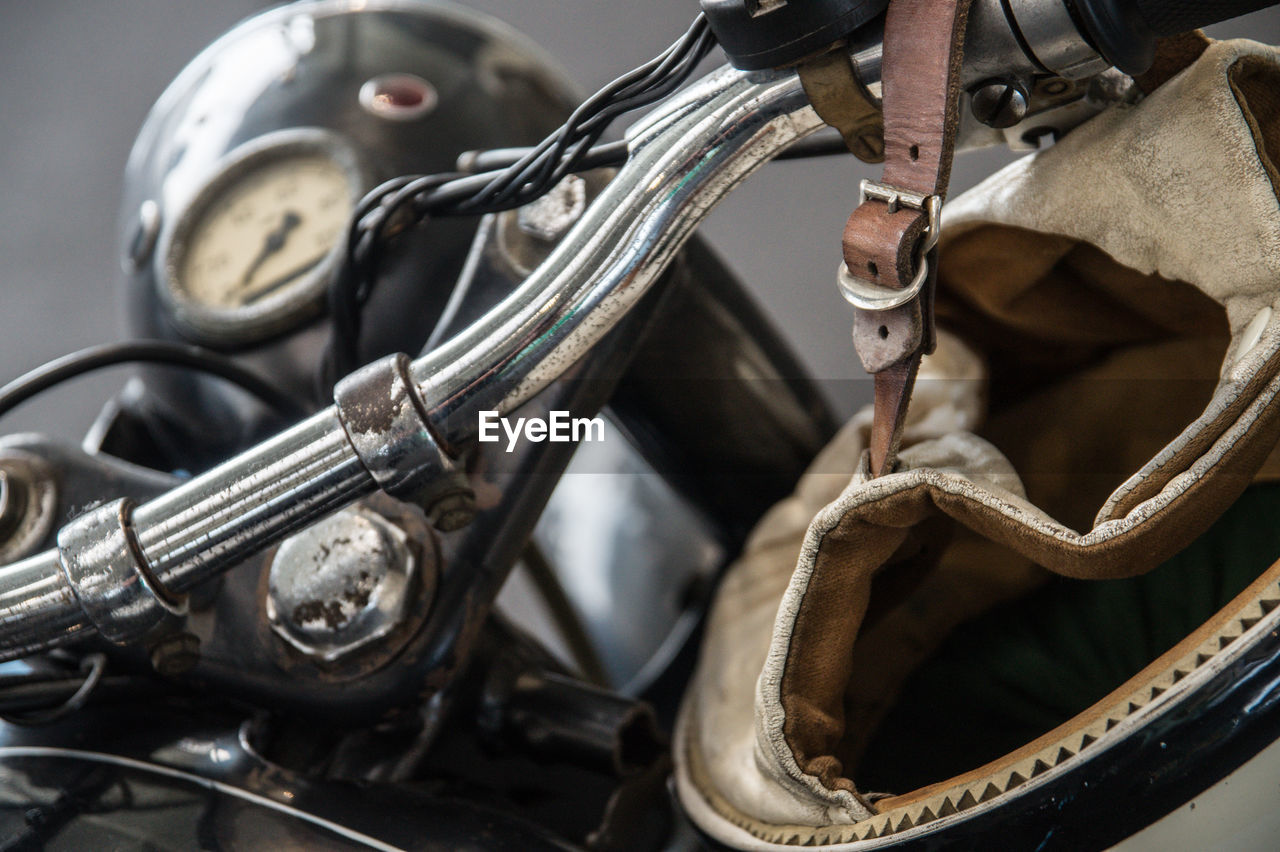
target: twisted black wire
<point>408,201</point>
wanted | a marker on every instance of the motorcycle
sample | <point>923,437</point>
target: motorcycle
<point>298,589</point>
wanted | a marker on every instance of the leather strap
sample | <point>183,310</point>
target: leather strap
<point>892,396</point>
<point>923,44</point>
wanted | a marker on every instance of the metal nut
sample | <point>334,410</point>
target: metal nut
<point>341,584</point>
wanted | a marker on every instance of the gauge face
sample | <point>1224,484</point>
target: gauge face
<point>252,254</point>
<point>278,224</point>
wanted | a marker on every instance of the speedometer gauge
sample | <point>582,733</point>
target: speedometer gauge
<point>252,253</point>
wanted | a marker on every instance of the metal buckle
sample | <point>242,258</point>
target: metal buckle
<point>870,296</point>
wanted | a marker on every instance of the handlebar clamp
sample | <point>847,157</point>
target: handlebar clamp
<point>109,576</point>
<point>385,419</point>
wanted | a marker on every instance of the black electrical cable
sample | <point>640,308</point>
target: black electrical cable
<point>611,154</point>
<point>449,313</point>
<point>646,84</point>
<point>349,286</point>
<point>92,666</point>
<point>654,81</point>
<point>601,156</point>
<point>505,181</point>
<point>163,352</point>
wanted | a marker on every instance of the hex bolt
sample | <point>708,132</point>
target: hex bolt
<point>175,654</point>
<point>999,103</point>
<point>342,584</point>
<point>452,511</point>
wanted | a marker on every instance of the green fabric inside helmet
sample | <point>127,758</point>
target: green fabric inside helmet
<point>1021,670</point>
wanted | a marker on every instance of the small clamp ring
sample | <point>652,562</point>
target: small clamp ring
<point>386,424</point>
<point>108,573</point>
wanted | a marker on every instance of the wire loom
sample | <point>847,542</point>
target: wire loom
<point>510,179</point>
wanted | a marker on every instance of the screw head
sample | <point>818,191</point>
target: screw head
<point>999,103</point>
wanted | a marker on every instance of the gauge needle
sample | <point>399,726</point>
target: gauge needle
<point>250,296</point>
<point>274,242</point>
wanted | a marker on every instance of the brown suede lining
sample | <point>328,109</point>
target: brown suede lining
<point>1057,306</point>
<point>1255,82</point>
<point>972,576</point>
<point>1075,441</point>
<point>1102,367</point>
<point>1173,55</point>
<point>818,666</point>
<point>1095,368</point>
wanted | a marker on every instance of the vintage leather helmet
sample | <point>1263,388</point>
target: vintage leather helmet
<point>1057,621</point>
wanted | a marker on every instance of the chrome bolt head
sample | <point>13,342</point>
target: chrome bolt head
<point>341,584</point>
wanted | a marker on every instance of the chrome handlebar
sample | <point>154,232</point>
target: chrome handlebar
<point>399,425</point>
<point>683,159</point>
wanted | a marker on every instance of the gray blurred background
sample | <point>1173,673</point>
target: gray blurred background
<point>76,79</point>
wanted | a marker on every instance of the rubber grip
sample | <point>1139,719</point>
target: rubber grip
<point>1170,17</point>
<point>1125,31</point>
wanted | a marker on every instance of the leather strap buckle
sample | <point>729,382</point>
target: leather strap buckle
<point>868,295</point>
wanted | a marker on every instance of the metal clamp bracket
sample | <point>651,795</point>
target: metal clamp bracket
<point>110,577</point>
<point>868,295</point>
<point>386,424</point>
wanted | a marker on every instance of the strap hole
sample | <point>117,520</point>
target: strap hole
<point>915,152</point>
<point>884,332</point>
<point>873,269</point>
